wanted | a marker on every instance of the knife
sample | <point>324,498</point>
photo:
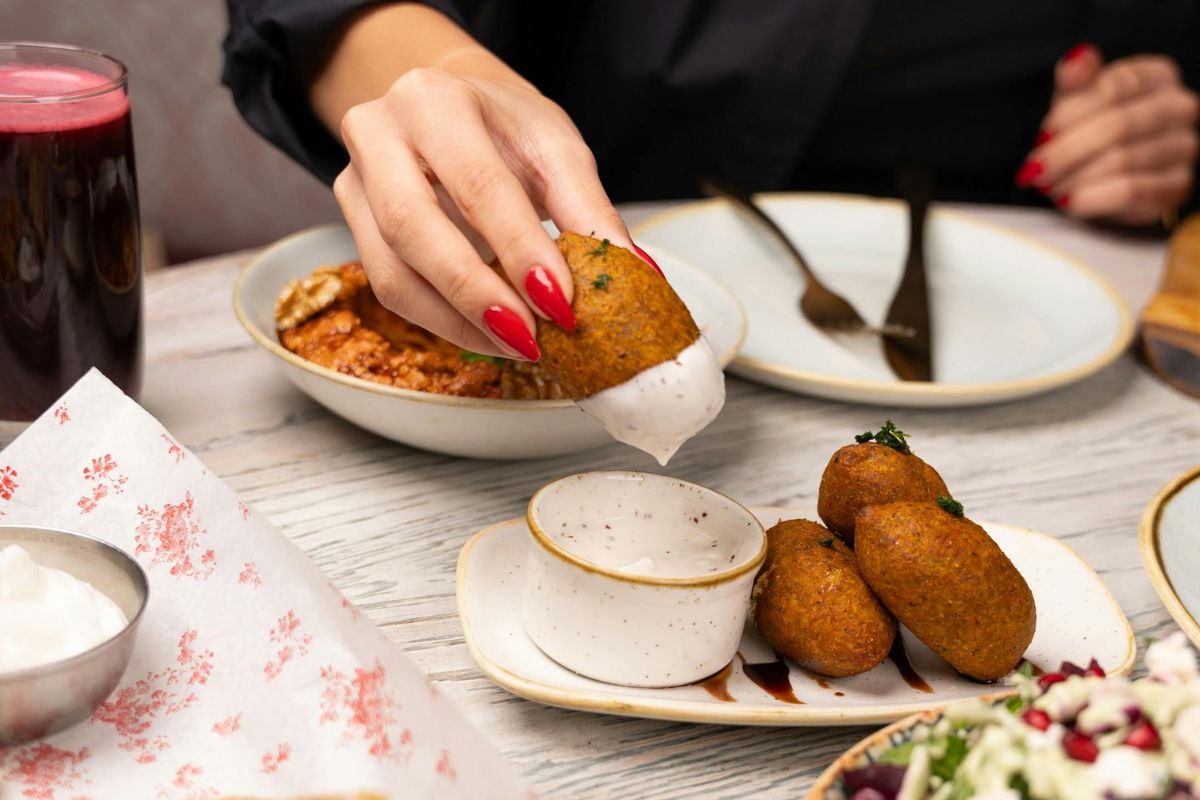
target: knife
<point>1171,320</point>
<point>911,358</point>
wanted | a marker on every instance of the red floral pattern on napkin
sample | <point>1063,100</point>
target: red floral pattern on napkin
<point>252,675</point>
<point>41,770</point>
<point>172,536</point>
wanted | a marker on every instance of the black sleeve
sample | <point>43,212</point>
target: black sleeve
<point>270,49</point>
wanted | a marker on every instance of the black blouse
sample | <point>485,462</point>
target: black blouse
<point>769,94</point>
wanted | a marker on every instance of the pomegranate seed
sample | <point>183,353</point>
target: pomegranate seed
<point>1133,714</point>
<point>1036,718</point>
<point>1080,747</point>
<point>1094,669</point>
<point>1069,668</point>
<point>1143,737</point>
<point>1048,680</point>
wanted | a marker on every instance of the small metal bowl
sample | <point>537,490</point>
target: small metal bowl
<point>45,699</point>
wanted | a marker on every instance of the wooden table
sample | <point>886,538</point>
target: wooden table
<point>386,522</point>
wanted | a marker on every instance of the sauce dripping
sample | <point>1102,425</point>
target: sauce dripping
<point>718,685</point>
<point>824,684</point>
<point>772,678</point>
<point>899,657</point>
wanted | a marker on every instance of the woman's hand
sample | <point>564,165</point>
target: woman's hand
<point>447,171</point>
<point>1120,140</point>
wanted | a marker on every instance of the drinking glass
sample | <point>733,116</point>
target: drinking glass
<point>70,243</point>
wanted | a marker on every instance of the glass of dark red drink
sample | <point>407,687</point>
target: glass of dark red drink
<point>70,243</point>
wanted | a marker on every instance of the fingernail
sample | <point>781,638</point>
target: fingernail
<point>1029,172</point>
<point>646,257</point>
<point>1076,51</point>
<point>510,329</point>
<point>1062,201</point>
<point>1043,136</point>
<point>547,295</point>
<point>1044,188</point>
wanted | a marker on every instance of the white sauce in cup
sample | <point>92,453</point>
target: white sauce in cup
<point>47,615</point>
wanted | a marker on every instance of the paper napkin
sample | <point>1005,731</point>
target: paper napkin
<point>252,675</point>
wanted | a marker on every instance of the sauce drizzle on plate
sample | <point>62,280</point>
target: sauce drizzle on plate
<point>772,678</point>
<point>899,657</point>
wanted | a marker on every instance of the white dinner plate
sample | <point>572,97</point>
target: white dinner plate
<point>1078,619</point>
<point>1169,538</point>
<point>462,426</point>
<point>1010,317</point>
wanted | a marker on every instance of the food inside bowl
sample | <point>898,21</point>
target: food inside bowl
<point>1070,734</point>
<point>47,615</point>
<point>331,318</point>
<point>635,359</point>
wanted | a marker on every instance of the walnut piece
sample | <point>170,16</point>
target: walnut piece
<point>304,297</point>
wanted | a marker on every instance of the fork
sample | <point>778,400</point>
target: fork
<point>820,305</point>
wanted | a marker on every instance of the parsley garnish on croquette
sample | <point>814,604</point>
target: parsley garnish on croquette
<point>951,505</point>
<point>888,436</point>
<point>467,355</point>
<point>603,279</point>
<point>600,250</point>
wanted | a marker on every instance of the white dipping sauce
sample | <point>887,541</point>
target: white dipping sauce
<point>47,615</point>
<point>662,407</point>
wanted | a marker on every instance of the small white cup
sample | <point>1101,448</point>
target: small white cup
<point>639,579</point>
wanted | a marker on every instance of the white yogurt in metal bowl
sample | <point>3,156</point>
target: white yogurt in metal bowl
<point>47,614</point>
<point>69,611</point>
<point>639,579</point>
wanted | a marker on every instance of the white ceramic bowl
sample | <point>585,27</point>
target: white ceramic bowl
<point>595,605</point>
<point>461,426</point>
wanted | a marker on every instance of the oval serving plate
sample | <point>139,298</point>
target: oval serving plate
<point>1011,317</point>
<point>1077,619</point>
<point>1169,540</point>
<point>461,426</point>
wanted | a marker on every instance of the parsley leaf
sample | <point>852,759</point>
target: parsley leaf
<point>602,280</point>
<point>951,505</point>
<point>947,765</point>
<point>467,355</point>
<point>827,543</point>
<point>888,436</point>
<point>601,250</point>
<point>1014,704</point>
<point>899,755</point>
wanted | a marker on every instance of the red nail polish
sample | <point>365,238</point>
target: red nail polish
<point>547,295</point>
<point>510,329</point>
<point>1076,51</point>
<point>646,257</point>
<point>1029,172</point>
<point>1043,136</point>
<point>1063,201</point>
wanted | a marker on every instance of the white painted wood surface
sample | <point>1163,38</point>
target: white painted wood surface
<point>386,522</point>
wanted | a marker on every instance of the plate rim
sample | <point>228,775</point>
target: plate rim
<point>1148,546</point>
<point>910,391</point>
<point>694,711</point>
<point>839,764</point>
<point>498,404</point>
